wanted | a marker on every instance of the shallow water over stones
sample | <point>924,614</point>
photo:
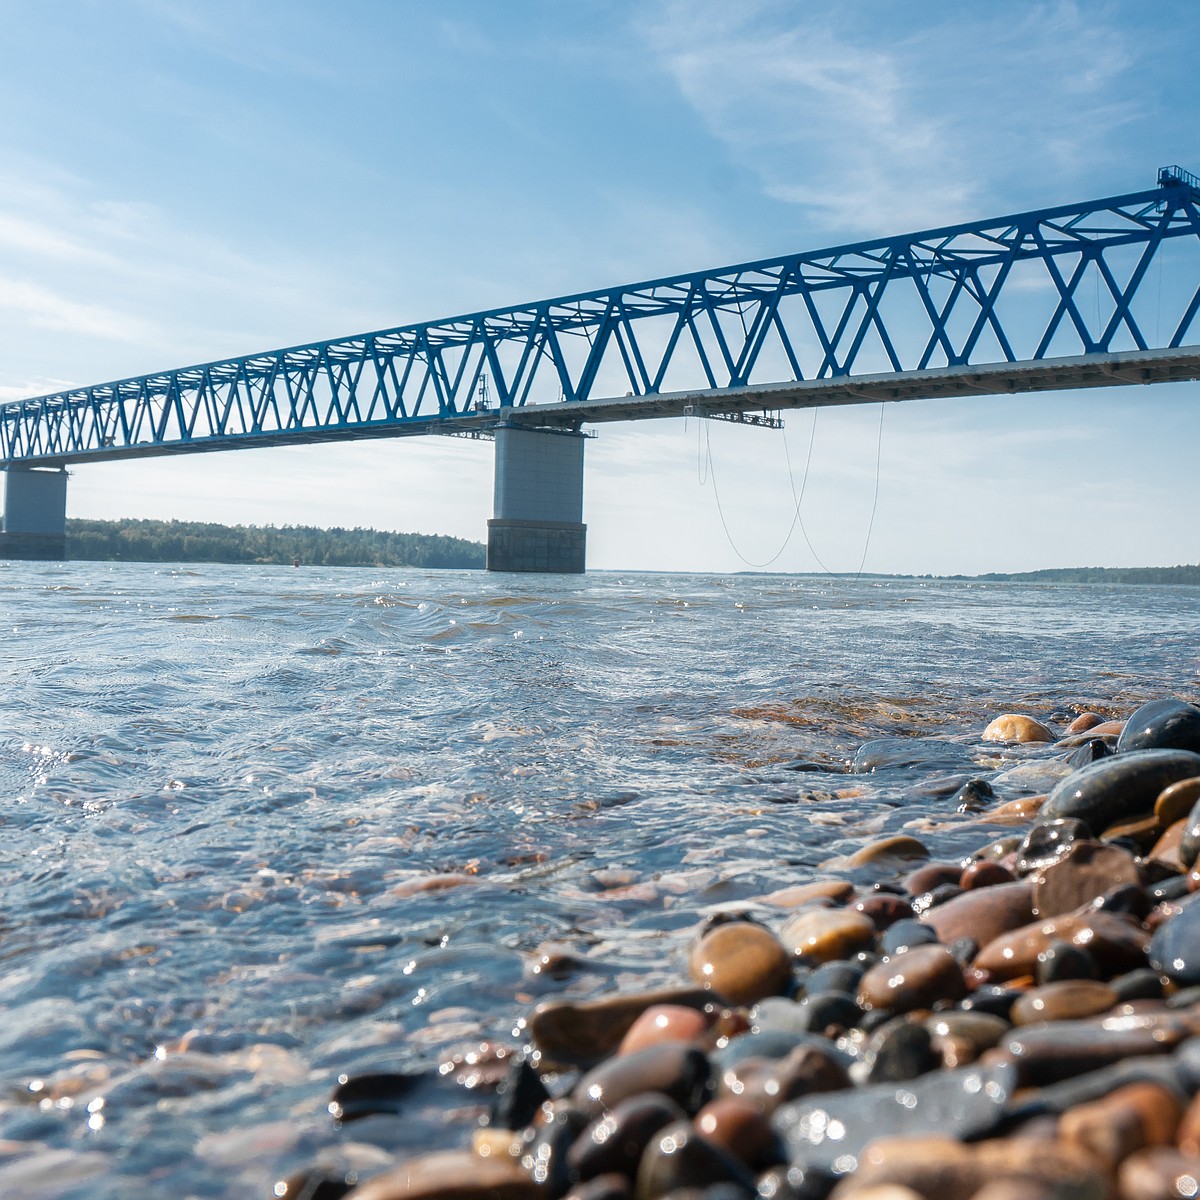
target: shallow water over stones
<point>362,824</point>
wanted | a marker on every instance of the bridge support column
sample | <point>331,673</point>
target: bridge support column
<point>538,502</point>
<point>35,514</point>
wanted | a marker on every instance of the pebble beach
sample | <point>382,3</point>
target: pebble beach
<point>1018,1022</point>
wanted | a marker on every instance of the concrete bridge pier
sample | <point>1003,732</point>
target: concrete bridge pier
<point>537,522</point>
<point>35,514</point>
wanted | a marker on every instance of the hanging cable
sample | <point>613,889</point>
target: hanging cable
<point>798,497</point>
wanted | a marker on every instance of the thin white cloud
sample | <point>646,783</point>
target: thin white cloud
<point>875,132</point>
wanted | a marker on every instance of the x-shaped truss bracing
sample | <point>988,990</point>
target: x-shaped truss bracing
<point>1077,280</point>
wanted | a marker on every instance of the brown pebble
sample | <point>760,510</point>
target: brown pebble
<point>452,1175</point>
<point>742,1129</point>
<point>913,979</point>
<point>742,962</point>
<point>1166,849</point>
<point>982,874</point>
<point>1176,802</point>
<point>982,913</point>
<point>1014,812</point>
<point>1143,830</point>
<point>886,851</point>
<point>1087,870</point>
<point>1015,727</point>
<point>1067,1000</point>
<point>977,1031</point>
<point>883,908</point>
<point>822,935</point>
<point>931,875</point>
<point>1114,940</point>
<point>1159,1173</point>
<point>583,1031</point>
<point>837,890</point>
<point>1084,722</point>
<point>664,1023</point>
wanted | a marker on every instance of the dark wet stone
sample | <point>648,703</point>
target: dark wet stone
<point>839,976</point>
<point>1092,750</point>
<point>1167,724</point>
<point>932,899</point>
<point>1048,841</point>
<point>1174,888</point>
<point>974,796</point>
<point>315,1184</point>
<point>1058,1050</point>
<point>675,1069</point>
<point>899,1051</point>
<point>1175,947</point>
<point>560,1127</point>
<point>1095,1085</point>
<point>917,978</point>
<point>994,999</point>
<point>1129,898</point>
<point>581,1032</point>
<point>1087,870</point>
<point>830,1132</point>
<point>821,1010</point>
<point>1120,787</point>
<point>617,1140</point>
<point>519,1097</point>
<point>359,1096</point>
<point>964,950</point>
<point>679,1157</point>
<point>1142,984</point>
<point>982,913</point>
<point>1062,960</point>
<point>769,1043</point>
<point>906,934</point>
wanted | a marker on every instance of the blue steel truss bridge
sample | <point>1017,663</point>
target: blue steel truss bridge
<point>1096,294</point>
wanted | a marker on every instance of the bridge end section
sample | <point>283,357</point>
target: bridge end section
<point>34,525</point>
<point>537,524</point>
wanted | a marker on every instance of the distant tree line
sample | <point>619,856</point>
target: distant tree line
<point>195,541</point>
<point>1154,575</point>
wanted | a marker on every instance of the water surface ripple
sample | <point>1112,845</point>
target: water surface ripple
<point>262,826</point>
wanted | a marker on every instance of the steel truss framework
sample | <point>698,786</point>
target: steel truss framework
<point>1030,288</point>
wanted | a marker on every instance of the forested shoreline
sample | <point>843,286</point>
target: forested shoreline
<point>195,541</point>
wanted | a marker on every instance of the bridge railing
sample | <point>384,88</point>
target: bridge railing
<point>1073,280</point>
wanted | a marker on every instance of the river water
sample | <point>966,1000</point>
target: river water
<point>265,826</point>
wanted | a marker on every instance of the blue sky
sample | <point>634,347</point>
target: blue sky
<point>183,180</point>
